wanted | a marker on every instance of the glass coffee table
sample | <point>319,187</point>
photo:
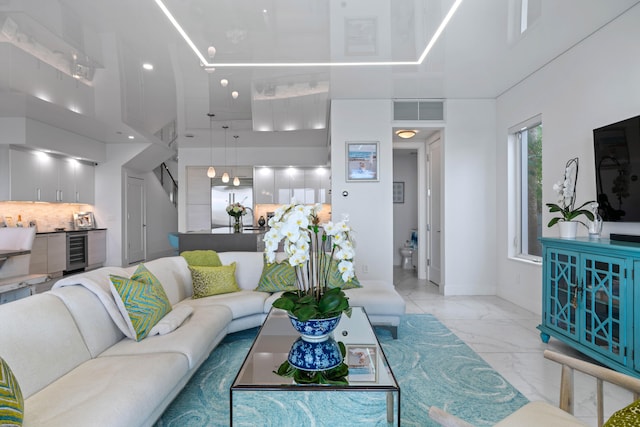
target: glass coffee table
<point>258,396</point>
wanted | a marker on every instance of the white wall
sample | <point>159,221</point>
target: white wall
<point>593,84</point>
<point>368,204</point>
<point>405,215</point>
<point>469,208</point>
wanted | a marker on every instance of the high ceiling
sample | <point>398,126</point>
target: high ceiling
<point>480,54</point>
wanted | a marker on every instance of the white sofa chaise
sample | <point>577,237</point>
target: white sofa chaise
<point>76,367</point>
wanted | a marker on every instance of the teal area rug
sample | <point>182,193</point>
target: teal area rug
<point>431,364</point>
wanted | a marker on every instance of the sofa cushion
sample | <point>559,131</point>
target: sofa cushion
<point>627,416</point>
<point>248,267</point>
<point>172,320</point>
<point>209,281</point>
<point>174,275</point>
<point>40,341</point>
<point>11,401</point>
<point>98,329</point>
<point>141,300</point>
<point>108,391</point>
<point>241,304</point>
<point>205,258</point>
<point>277,276</point>
<point>195,339</point>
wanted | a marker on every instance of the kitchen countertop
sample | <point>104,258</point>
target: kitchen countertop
<point>229,230</point>
<point>67,230</point>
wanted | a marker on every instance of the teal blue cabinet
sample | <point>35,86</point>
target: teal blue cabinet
<point>588,299</point>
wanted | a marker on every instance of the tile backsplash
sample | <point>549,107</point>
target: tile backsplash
<point>48,216</point>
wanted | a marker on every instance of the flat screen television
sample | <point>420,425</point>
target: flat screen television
<point>617,157</point>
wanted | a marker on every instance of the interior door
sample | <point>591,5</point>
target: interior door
<point>434,233</point>
<point>135,220</point>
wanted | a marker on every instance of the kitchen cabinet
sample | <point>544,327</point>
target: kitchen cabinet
<point>590,299</point>
<point>96,248</point>
<point>38,176</point>
<point>307,185</point>
<point>49,254</point>
<point>264,185</point>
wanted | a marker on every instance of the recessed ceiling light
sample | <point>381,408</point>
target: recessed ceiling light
<point>147,66</point>
<point>406,133</point>
<point>211,51</point>
<point>131,137</point>
<point>235,94</point>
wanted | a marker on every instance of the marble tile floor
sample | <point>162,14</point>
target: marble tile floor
<point>505,335</point>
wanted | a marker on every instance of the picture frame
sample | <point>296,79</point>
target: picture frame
<point>360,36</point>
<point>398,192</point>
<point>83,220</point>
<point>362,161</point>
<point>362,360</point>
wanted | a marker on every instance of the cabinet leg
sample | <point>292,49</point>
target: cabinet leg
<point>544,337</point>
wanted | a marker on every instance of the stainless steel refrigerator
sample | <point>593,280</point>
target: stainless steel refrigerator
<point>222,195</point>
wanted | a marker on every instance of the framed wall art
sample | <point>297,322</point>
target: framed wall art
<point>362,161</point>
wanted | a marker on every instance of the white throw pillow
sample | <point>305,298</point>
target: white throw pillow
<point>172,320</point>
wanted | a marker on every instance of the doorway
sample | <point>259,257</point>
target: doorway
<point>135,218</point>
<point>429,202</point>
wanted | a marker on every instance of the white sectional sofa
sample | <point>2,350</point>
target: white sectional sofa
<point>76,367</point>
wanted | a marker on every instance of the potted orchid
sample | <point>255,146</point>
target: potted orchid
<point>313,250</point>
<point>236,210</point>
<point>565,206</point>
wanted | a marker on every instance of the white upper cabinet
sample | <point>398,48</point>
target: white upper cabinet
<point>279,185</point>
<point>264,185</point>
<point>37,176</point>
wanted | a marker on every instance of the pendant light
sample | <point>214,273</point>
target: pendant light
<point>211,172</point>
<point>236,180</point>
<point>225,175</point>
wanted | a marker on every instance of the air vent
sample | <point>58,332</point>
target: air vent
<point>418,110</point>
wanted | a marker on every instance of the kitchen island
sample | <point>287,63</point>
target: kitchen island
<point>223,239</point>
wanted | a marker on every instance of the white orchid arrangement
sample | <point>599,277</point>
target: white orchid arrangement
<point>311,248</point>
<point>566,193</point>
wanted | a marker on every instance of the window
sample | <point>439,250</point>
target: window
<point>529,176</point>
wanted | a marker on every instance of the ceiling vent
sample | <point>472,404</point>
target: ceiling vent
<point>418,110</point>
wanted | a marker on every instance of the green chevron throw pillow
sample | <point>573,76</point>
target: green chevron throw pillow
<point>209,281</point>
<point>335,279</point>
<point>141,300</point>
<point>277,276</point>
<point>11,402</point>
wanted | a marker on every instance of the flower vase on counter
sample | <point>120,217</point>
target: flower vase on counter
<point>237,224</point>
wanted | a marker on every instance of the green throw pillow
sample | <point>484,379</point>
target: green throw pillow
<point>277,276</point>
<point>628,416</point>
<point>335,278</point>
<point>209,281</point>
<point>141,300</point>
<point>206,258</point>
<point>11,401</point>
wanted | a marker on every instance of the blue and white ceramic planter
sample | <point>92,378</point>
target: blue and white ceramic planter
<point>315,330</point>
<point>315,356</point>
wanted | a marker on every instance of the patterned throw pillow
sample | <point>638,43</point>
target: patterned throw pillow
<point>209,281</point>
<point>335,279</point>
<point>11,401</point>
<point>141,300</point>
<point>206,258</point>
<point>277,276</point>
<point>628,416</point>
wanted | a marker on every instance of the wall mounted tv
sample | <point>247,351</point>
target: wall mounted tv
<point>617,156</point>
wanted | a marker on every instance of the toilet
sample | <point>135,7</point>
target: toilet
<point>406,252</point>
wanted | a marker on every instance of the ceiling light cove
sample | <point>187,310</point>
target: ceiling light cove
<point>209,65</point>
